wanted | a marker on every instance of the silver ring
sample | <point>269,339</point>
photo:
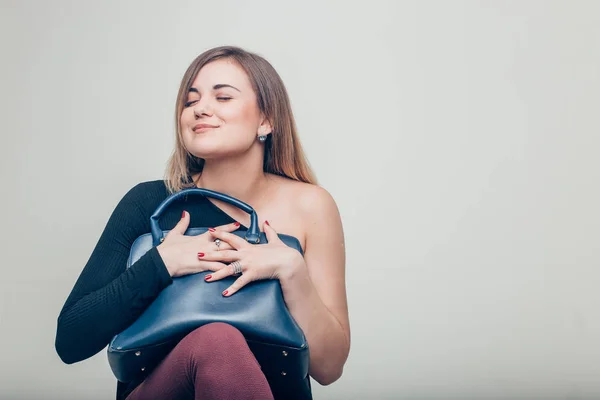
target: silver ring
<point>237,267</point>
<point>218,244</point>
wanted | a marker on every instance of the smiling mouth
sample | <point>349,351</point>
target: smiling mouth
<point>203,129</point>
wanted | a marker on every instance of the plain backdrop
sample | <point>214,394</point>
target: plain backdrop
<point>460,140</point>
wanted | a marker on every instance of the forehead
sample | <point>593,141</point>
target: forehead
<point>222,71</point>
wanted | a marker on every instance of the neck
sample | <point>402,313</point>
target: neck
<point>242,178</point>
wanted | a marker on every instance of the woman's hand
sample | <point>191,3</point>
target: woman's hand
<point>180,252</point>
<point>274,260</point>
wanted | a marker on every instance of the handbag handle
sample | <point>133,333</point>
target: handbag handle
<point>252,234</point>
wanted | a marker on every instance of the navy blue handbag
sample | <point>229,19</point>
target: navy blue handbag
<point>258,310</point>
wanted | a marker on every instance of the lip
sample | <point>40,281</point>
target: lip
<point>203,127</point>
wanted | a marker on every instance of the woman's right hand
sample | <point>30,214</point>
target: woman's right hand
<point>180,252</point>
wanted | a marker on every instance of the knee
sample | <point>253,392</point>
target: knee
<point>213,340</point>
<point>218,333</point>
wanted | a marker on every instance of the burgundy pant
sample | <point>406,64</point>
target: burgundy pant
<point>211,363</point>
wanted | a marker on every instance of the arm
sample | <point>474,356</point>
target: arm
<point>107,297</point>
<point>315,290</point>
<point>313,286</point>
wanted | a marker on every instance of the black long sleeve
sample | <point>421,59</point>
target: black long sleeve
<point>107,296</point>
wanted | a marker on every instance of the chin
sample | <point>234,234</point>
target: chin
<point>204,154</point>
<point>210,152</point>
<point>214,149</point>
<point>202,147</point>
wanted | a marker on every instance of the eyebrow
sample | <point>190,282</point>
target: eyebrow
<point>216,87</point>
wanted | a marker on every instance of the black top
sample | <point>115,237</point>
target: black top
<point>107,296</point>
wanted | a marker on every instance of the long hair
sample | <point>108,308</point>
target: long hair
<point>283,155</point>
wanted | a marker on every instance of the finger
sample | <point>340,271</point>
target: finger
<point>214,266</point>
<point>222,246</point>
<point>271,234</point>
<point>217,244</point>
<point>237,285</point>
<point>223,228</point>
<point>182,225</point>
<point>228,227</point>
<point>234,241</point>
<point>201,267</point>
<point>219,274</point>
<point>220,256</point>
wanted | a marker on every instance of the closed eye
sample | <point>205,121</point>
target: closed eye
<point>192,102</point>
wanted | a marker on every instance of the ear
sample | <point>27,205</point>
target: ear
<point>265,128</point>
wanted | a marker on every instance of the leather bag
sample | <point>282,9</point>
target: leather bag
<point>258,310</point>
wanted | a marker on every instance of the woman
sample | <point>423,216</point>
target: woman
<point>235,134</point>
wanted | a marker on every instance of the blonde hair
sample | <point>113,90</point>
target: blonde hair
<point>283,155</point>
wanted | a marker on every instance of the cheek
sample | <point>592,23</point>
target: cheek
<point>240,114</point>
<point>186,116</point>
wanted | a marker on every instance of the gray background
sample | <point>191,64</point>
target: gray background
<point>459,139</point>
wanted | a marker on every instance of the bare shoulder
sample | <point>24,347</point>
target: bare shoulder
<point>312,202</point>
<point>317,201</point>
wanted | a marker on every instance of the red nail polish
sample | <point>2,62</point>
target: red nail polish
<point>236,223</point>
<point>200,254</point>
<point>183,214</point>
<point>207,277</point>
<point>225,292</point>
<point>267,222</point>
<point>212,229</point>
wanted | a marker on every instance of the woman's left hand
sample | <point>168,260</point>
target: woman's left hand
<point>274,260</point>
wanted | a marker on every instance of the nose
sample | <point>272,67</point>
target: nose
<point>202,109</point>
